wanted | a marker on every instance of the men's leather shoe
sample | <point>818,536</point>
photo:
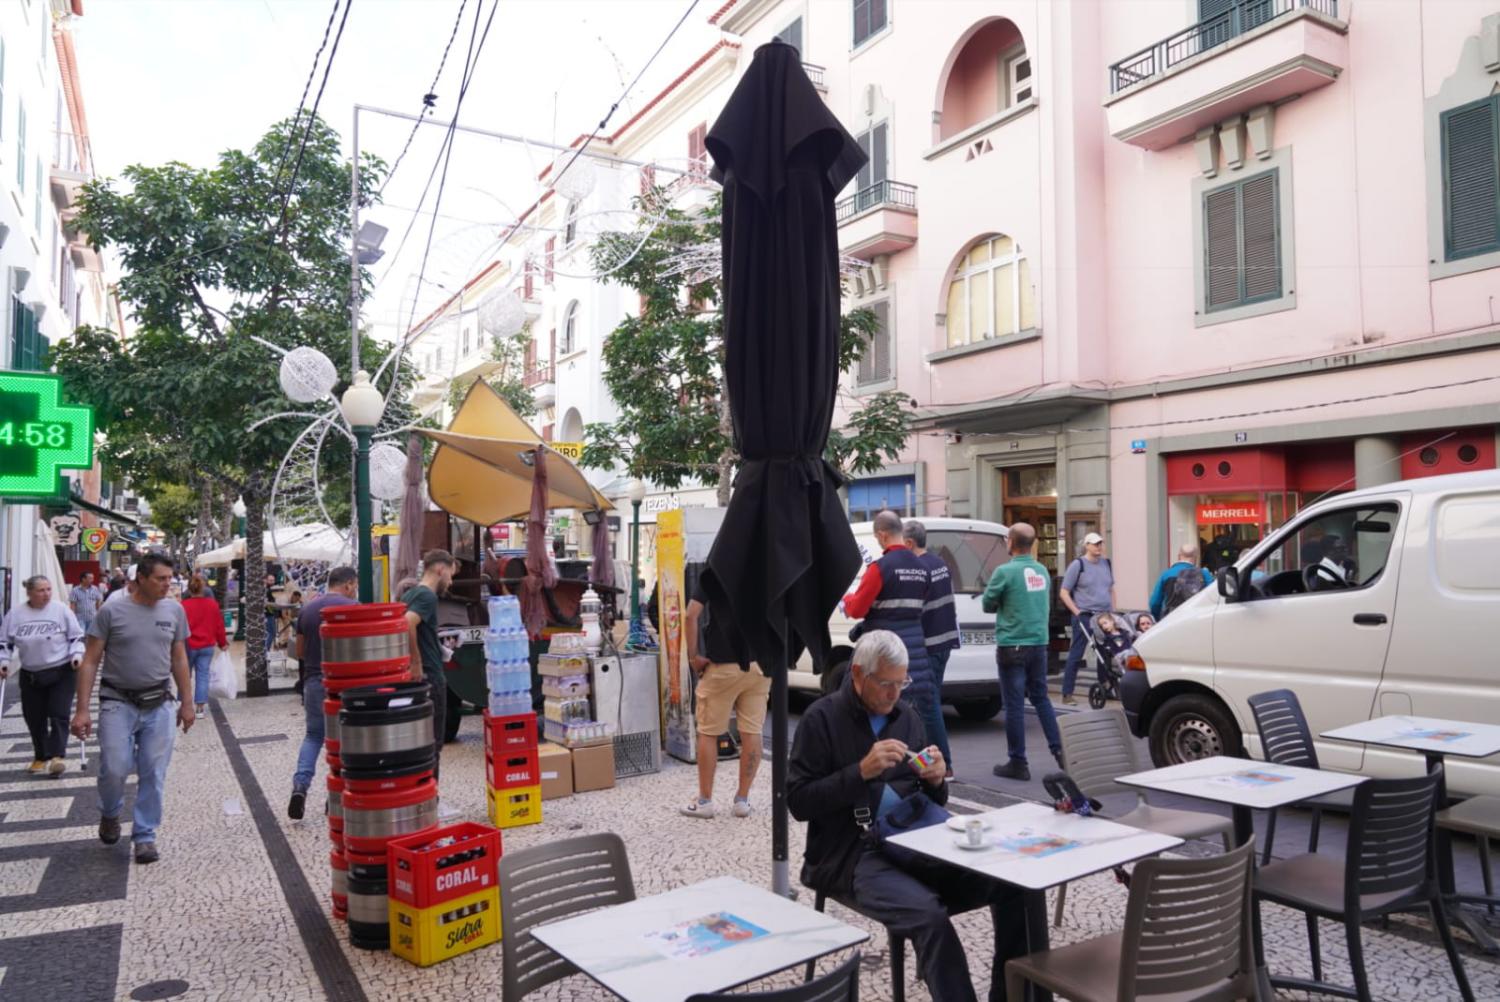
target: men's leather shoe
<point>297,805</point>
<point>145,852</point>
<point>109,830</point>
<point>1014,769</point>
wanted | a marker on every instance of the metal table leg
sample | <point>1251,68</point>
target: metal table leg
<point>1036,937</point>
<point>1447,880</point>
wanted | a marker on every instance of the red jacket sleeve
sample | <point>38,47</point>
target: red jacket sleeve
<point>857,603</point>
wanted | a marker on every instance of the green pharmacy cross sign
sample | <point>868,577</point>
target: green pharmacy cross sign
<point>40,435</point>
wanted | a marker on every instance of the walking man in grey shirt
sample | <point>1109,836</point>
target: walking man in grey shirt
<point>142,642</point>
<point>1088,587</point>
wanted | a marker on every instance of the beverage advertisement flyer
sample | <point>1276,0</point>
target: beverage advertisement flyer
<point>700,936</point>
<point>1251,779</point>
<point>1433,734</point>
<point>1035,844</point>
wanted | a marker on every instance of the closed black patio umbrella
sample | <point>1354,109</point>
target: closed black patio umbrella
<point>784,555</point>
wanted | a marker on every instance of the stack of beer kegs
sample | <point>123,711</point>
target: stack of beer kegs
<point>379,743</point>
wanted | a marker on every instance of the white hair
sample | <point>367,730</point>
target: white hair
<point>878,649</point>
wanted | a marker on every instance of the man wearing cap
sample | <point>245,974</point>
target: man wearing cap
<point>1088,587</point>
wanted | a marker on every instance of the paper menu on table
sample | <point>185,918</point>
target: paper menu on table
<point>704,935</point>
<point>1433,734</point>
<point>1251,779</point>
<point>1035,844</point>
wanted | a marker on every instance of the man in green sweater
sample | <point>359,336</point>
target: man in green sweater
<point>1020,595</point>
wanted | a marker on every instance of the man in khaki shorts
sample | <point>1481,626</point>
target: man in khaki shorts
<point>727,679</point>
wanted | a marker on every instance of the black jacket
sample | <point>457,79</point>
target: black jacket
<point>824,785</point>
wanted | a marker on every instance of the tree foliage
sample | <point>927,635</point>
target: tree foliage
<point>664,367</point>
<point>215,258</point>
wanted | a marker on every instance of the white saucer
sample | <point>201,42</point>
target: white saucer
<point>964,844</point>
<point>959,822</point>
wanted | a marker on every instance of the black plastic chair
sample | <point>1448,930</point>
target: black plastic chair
<point>1285,739</point>
<point>550,882</point>
<point>839,985</point>
<point>1390,866</point>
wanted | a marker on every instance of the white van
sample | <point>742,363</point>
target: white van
<point>972,550</point>
<point>1381,601</point>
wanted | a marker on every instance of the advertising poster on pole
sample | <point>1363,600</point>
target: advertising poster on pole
<point>671,600</point>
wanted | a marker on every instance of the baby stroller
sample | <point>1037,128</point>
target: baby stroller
<point>1110,650</point>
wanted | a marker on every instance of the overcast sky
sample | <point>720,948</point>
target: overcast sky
<point>186,79</point>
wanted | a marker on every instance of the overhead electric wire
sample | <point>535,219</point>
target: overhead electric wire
<point>286,148</point>
<point>429,100</point>
<point>312,116</point>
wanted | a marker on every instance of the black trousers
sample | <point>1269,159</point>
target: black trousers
<point>915,903</point>
<point>46,704</point>
<point>439,686</point>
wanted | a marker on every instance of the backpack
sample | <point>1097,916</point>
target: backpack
<point>1187,583</point>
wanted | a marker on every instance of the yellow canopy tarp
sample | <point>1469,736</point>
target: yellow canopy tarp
<point>480,470</point>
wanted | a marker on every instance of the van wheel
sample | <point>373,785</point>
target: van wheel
<point>978,710</point>
<point>833,677</point>
<point>1192,727</point>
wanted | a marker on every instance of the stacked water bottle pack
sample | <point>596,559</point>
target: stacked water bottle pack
<point>507,666</point>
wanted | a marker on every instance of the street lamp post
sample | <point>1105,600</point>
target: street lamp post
<point>637,637</point>
<point>239,528</point>
<point>363,405</point>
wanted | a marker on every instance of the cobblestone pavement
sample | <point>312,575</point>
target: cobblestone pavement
<point>238,906</point>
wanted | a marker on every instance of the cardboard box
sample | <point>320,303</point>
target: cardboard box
<point>512,768</point>
<point>556,763</point>
<point>594,768</point>
<point>426,936</point>
<point>521,805</point>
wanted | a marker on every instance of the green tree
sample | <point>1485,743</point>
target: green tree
<point>174,510</point>
<point>507,378</point>
<point>664,367</point>
<point>215,258</point>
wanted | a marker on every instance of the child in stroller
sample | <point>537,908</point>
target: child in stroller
<point>1113,636</point>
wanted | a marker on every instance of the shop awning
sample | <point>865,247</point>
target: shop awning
<point>1014,412</point>
<point>102,512</point>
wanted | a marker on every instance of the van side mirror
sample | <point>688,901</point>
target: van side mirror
<point>1229,584</point>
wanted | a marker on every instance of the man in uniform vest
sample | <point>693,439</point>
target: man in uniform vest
<point>939,628</point>
<point>891,596</point>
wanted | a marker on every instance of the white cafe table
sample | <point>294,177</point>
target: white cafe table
<point>656,949</point>
<point>1244,784</point>
<point>1435,738</point>
<point>1034,847</point>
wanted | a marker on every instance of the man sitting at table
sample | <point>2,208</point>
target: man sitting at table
<point>850,752</point>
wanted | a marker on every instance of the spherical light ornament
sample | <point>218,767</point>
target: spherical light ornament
<point>307,375</point>
<point>501,314</point>
<point>576,182</point>
<point>387,472</point>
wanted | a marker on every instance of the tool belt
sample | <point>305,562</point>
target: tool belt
<point>148,698</point>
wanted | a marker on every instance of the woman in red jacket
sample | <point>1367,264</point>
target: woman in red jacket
<point>205,632</point>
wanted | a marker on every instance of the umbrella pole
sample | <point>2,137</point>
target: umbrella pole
<point>780,877</point>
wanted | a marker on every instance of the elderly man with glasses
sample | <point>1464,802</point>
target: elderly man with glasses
<point>850,762</point>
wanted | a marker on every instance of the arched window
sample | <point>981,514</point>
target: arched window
<point>991,294</point>
<point>569,342</point>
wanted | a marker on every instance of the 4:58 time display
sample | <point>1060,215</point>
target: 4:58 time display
<point>36,434</point>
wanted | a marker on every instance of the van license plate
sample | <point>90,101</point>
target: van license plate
<point>977,638</point>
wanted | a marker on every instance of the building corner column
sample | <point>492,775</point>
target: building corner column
<point>1377,460</point>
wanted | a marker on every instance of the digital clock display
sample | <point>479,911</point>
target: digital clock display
<point>36,434</point>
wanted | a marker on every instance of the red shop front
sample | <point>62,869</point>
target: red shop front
<point>1228,499</point>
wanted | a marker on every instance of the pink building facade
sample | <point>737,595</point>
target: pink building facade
<point>1171,269</point>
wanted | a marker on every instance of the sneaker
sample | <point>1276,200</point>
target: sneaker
<point>37,768</point>
<point>1069,701</point>
<point>200,709</point>
<point>57,766</point>
<point>297,805</point>
<point>741,807</point>
<point>1014,769</point>
<point>145,852</point>
<point>109,830</point>
<point>699,809</point>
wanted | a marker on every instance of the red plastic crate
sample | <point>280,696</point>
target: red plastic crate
<point>507,734</point>
<point>422,875</point>
<point>511,769</point>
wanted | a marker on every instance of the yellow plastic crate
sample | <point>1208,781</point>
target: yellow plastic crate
<point>517,806</point>
<point>427,936</point>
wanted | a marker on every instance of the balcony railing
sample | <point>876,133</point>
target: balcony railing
<point>892,193</point>
<point>543,373</point>
<point>1207,34</point>
<point>72,153</point>
<point>815,74</point>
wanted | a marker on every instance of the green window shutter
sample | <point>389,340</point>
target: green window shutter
<point>881,349</point>
<point>1261,251</point>
<point>1221,247</point>
<point>1471,179</point>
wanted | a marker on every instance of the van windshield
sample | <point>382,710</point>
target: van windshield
<point>971,556</point>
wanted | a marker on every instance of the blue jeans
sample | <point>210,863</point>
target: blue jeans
<point>932,712</point>
<point>140,741</point>
<point>1082,624</point>
<point>312,741</point>
<point>201,660</point>
<point>1023,676</point>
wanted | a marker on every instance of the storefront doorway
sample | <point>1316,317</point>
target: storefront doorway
<point>1029,494</point>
